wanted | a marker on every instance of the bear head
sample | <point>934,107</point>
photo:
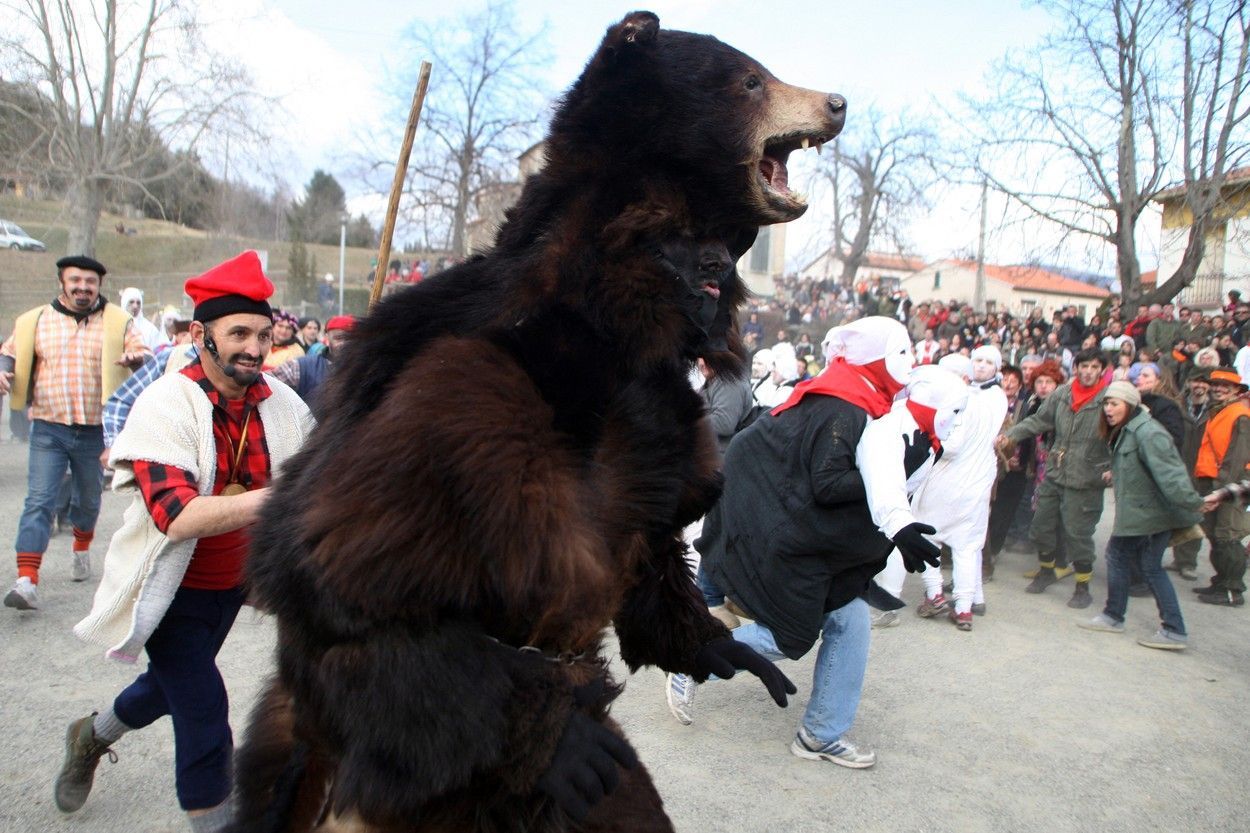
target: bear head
<point>707,118</point>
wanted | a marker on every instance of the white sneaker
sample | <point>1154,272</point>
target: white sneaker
<point>679,692</point>
<point>80,570</point>
<point>23,596</point>
<point>885,618</point>
<point>842,752</point>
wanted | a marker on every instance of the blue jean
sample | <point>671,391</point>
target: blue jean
<point>52,448</point>
<point>1145,552</point>
<point>182,681</point>
<point>838,678</point>
<point>712,595</point>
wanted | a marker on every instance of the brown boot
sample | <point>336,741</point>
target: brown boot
<point>1081,597</point>
<point>83,751</point>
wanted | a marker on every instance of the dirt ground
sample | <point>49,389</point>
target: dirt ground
<point>1025,724</point>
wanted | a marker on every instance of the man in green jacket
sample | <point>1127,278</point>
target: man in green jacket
<point>1069,500</point>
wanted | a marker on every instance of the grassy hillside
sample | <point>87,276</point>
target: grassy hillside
<point>157,259</point>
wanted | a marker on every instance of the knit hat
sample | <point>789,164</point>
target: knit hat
<point>340,322</point>
<point>1123,391</point>
<point>238,285</point>
<point>287,317</point>
<point>1137,367</point>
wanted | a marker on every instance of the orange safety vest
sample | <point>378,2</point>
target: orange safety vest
<point>1216,437</point>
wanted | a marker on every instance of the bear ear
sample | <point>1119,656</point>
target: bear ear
<point>634,28</point>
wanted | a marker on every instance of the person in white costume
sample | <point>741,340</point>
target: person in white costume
<point>955,497</point>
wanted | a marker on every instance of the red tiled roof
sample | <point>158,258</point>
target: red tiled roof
<point>1150,278</point>
<point>1231,178</point>
<point>879,260</point>
<point>1038,280</point>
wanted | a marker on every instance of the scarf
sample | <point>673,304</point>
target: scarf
<point>868,386</point>
<point>79,317</point>
<point>924,416</point>
<point>1082,394</point>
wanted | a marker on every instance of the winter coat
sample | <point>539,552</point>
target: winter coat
<point>1153,492</point>
<point>1078,456</point>
<point>791,537</point>
<point>727,401</point>
<point>1168,414</point>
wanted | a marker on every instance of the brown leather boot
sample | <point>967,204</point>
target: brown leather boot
<point>83,751</point>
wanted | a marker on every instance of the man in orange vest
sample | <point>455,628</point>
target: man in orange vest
<point>1223,458</point>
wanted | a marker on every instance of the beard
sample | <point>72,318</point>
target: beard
<point>244,375</point>
<point>82,300</point>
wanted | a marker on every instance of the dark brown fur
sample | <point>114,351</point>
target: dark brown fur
<point>505,457</point>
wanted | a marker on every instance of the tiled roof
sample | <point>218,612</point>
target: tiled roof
<point>879,260</point>
<point>1038,280</point>
<point>1231,178</point>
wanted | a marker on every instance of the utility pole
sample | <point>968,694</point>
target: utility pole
<point>342,256</point>
<point>978,291</point>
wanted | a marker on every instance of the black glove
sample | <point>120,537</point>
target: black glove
<point>583,769</point>
<point>917,551</point>
<point>723,657</point>
<point>916,450</point>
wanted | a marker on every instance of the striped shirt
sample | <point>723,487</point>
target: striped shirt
<point>66,386</point>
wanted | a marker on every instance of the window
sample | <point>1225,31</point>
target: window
<point>937,279</point>
<point>760,260</point>
<point>991,306</point>
<point>1027,305</point>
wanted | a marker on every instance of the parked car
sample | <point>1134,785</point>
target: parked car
<point>12,237</point>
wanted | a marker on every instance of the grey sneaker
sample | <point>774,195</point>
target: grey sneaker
<point>885,618</point>
<point>80,570</point>
<point>82,755</point>
<point>1165,640</point>
<point>842,752</point>
<point>1102,622</point>
<point>978,608</point>
<point>936,606</point>
<point>23,596</point>
<point>679,692</point>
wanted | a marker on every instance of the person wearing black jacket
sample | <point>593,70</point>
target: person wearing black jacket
<point>792,540</point>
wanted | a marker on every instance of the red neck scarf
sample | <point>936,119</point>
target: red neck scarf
<point>868,386</point>
<point>1082,394</point>
<point>925,416</point>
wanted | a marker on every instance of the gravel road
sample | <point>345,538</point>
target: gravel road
<point>1025,724</point>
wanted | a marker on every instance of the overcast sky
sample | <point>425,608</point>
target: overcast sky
<point>329,61</point>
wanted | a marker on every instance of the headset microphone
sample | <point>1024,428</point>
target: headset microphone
<point>211,346</point>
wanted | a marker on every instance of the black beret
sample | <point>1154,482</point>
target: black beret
<point>82,262</point>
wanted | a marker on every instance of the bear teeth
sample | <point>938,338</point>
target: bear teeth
<point>806,143</point>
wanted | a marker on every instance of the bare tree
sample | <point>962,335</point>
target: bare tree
<point>1085,131</point>
<point>482,110</point>
<point>120,83</point>
<point>879,174</point>
<point>1075,132</point>
<point>1215,38</point>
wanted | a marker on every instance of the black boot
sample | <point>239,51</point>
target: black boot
<point>1081,597</point>
<point>1045,578</point>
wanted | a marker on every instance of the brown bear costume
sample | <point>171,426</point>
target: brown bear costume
<point>505,458</point>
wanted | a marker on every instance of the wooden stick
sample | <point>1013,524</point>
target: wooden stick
<point>397,185</point>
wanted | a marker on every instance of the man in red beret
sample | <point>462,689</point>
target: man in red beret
<point>197,452</point>
<point>63,360</point>
<point>307,373</point>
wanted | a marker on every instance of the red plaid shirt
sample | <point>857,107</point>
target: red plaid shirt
<point>217,563</point>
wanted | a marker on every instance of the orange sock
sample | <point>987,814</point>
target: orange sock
<point>28,565</point>
<point>82,540</point>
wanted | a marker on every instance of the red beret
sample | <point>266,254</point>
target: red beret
<point>238,285</point>
<point>340,322</point>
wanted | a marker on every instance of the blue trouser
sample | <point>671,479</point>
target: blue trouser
<point>52,448</point>
<point>1145,552</point>
<point>838,678</point>
<point>713,596</point>
<point>182,681</point>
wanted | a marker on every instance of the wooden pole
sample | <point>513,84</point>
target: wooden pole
<point>397,185</point>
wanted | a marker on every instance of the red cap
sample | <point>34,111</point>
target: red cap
<point>238,285</point>
<point>340,322</point>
